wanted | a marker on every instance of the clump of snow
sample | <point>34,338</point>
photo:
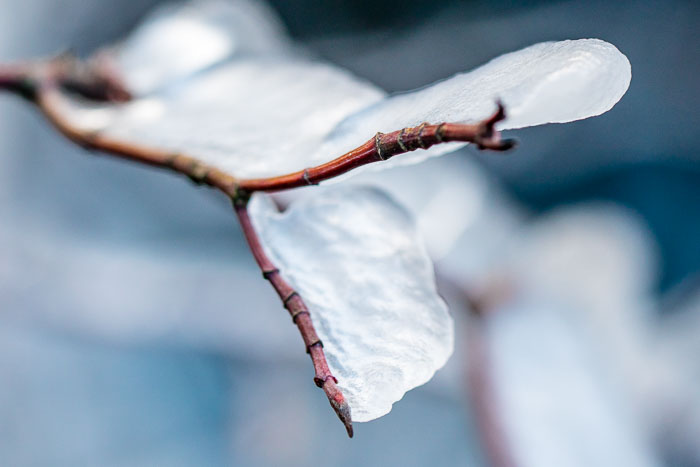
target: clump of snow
<point>355,256</point>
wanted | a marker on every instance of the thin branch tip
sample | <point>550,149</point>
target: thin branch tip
<point>343,412</point>
<point>339,404</point>
<point>294,303</point>
<point>488,137</point>
<point>498,115</point>
<point>45,83</point>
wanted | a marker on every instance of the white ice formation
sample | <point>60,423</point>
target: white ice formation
<point>355,257</point>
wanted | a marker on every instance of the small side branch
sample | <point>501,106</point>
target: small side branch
<point>44,83</point>
<point>300,316</point>
<point>383,146</point>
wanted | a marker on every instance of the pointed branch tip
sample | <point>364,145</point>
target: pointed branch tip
<point>339,404</point>
<point>498,115</point>
<point>489,137</point>
<point>343,412</point>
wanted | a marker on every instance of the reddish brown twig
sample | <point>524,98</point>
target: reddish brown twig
<point>15,78</point>
<point>384,146</point>
<point>95,79</point>
<point>44,83</point>
<point>46,91</point>
<point>300,316</point>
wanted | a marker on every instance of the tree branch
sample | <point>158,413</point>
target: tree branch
<point>384,146</point>
<point>45,88</point>
<point>15,78</point>
<point>44,82</point>
<point>300,316</point>
<point>48,98</point>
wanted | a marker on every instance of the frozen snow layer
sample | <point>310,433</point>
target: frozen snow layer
<point>549,82</point>
<point>252,116</point>
<point>355,257</point>
<point>266,116</point>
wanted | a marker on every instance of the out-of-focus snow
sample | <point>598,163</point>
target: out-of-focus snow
<point>456,204</point>
<point>249,117</point>
<point>67,400</point>
<point>355,256</point>
<point>558,406</point>
<point>176,41</point>
<point>677,405</point>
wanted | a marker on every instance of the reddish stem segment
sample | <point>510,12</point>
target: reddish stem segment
<point>300,316</point>
<point>381,147</point>
<point>384,146</point>
<point>15,78</point>
<point>48,98</point>
<point>43,84</point>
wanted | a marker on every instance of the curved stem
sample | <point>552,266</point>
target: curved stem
<point>300,316</point>
<point>384,146</point>
<point>49,99</point>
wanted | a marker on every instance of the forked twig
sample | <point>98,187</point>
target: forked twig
<point>44,84</point>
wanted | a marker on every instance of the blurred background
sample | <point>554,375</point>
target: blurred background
<point>117,283</point>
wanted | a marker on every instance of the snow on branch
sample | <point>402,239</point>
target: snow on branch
<point>254,114</point>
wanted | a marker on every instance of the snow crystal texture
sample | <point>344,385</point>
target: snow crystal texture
<point>355,257</point>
